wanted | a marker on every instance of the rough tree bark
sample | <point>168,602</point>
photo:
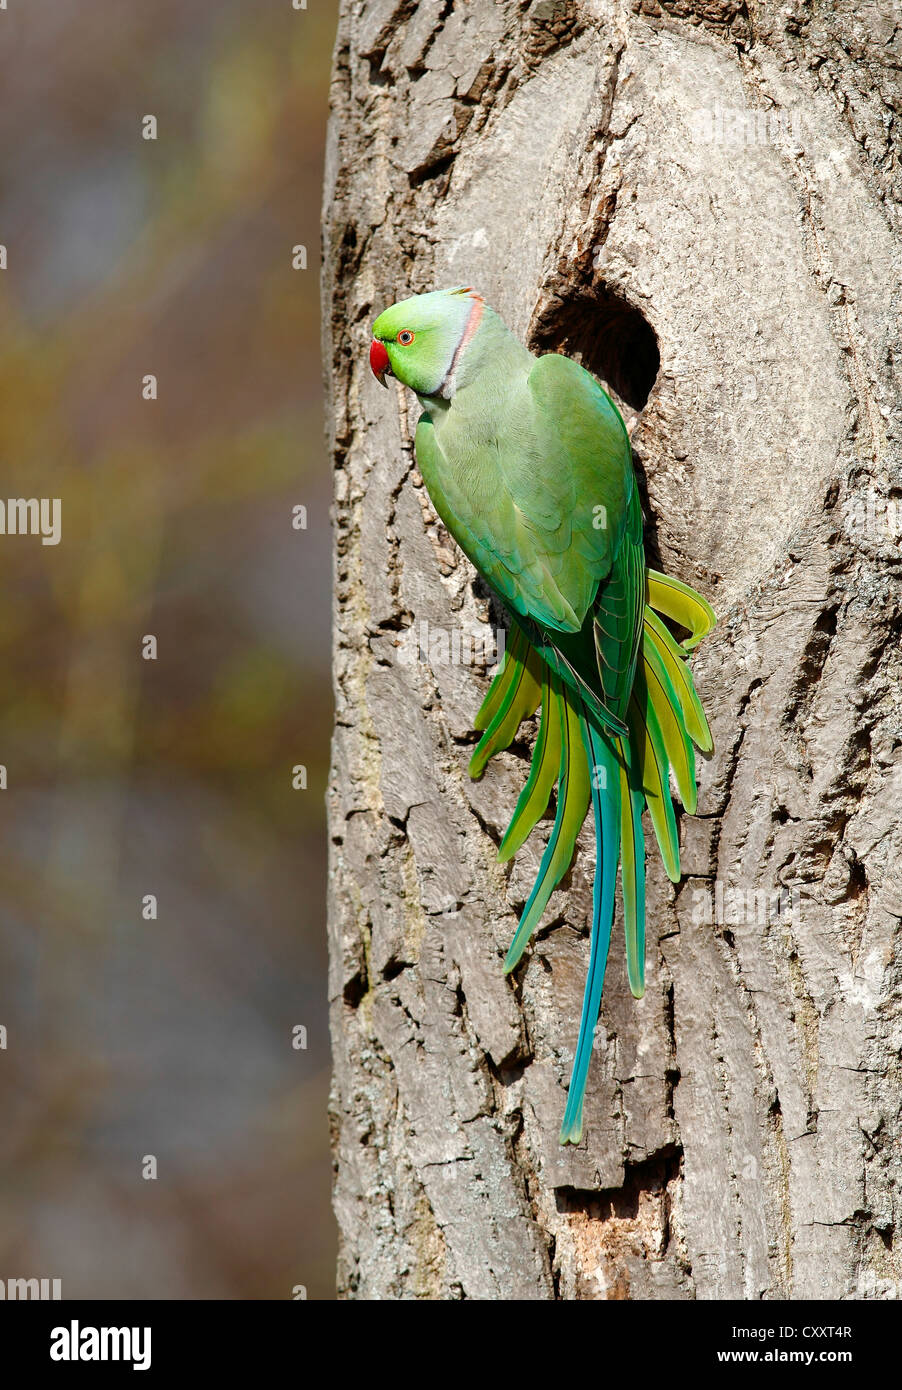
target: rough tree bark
<point>695,198</point>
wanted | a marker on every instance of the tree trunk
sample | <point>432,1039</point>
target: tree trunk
<point>693,199</point>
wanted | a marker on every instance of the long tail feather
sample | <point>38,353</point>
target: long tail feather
<point>677,744</point>
<point>654,770</point>
<point>632,869</point>
<point>520,700</point>
<point>543,773</point>
<point>674,659</point>
<point>605,804</point>
<point>514,654</point>
<point>572,805</point>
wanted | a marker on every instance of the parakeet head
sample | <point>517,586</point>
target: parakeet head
<point>420,340</point>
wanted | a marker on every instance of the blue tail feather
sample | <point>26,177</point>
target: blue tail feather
<point>606,808</point>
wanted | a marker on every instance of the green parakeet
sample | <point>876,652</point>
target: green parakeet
<point>528,463</point>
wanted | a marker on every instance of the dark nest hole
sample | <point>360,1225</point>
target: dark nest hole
<point>610,337</point>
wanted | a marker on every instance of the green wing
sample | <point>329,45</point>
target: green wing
<point>538,505</point>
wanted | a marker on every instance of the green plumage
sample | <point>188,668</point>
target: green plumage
<point>529,465</point>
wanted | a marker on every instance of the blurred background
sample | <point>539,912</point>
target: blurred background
<point>129,1036</point>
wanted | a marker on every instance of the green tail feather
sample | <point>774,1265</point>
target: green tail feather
<point>519,690</point>
<point>514,652</point>
<point>572,805</point>
<point>676,600</point>
<point>673,657</point>
<point>677,745</point>
<point>654,771</point>
<point>543,773</point>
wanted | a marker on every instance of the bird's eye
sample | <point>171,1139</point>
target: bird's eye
<point>405,337</point>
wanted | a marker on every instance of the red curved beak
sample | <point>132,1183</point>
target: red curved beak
<point>379,361</point>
